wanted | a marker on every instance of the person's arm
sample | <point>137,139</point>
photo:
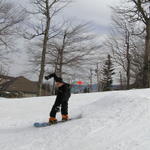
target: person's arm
<point>50,76</point>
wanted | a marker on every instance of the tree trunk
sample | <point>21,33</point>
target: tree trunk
<point>44,50</point>
<point>62,55</point>
<point>128,59</point>
<point>146,79</point>
<point>128,66</point>
<point>148,49</point>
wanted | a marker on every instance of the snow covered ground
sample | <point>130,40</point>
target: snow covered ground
<point>117,120</point>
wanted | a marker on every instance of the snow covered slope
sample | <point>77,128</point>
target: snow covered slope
<point>110,121</point>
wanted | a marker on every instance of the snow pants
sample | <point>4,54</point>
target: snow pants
<point>57,105</point>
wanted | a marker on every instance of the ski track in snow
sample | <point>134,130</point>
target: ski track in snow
<point>118,120</point>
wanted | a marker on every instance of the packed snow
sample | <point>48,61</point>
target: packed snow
<point>117,120</point>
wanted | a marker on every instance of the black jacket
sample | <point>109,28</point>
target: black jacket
<point>63,93</point>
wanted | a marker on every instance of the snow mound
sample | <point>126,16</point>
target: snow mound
<point>117,120</point>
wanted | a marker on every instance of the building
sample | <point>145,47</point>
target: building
<point>19,87</point>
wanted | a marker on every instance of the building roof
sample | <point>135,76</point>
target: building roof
<point>24,85</point>
<point>5,81</point>
<point>18,84</point>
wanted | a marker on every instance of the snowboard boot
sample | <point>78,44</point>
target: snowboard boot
<point>65,117</point>
<point>52,120</point>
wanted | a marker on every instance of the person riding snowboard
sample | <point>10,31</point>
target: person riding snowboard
<point>62,98</point>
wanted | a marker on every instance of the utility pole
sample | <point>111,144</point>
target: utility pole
<point>91,79</point>
<point>121,82</point>
<point>98,77</point>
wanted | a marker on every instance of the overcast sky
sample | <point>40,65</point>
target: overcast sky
<point>95,11</point>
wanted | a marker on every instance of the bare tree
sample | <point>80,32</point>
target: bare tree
<point>10,18</point>
<point>137,63</point>
<point>121,43</point>
<point>139,11</point>
<point>70,53</point>
<point>71,48</point>
<point>67,53</point>
<point>46,9</point>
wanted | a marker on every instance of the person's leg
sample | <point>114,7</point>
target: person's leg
<point>64,110</point>
<point>53,111</point>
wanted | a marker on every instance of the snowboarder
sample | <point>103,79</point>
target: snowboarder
<point>63,95</point>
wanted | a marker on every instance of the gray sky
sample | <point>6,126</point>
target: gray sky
<point>95,11</point>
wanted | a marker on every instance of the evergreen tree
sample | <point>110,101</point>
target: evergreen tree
<point>107,72</point>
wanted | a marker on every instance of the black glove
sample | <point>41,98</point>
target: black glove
<point>50,76</point>
<point>46,77</point>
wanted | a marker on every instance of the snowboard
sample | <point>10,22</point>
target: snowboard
<point>46,124</point>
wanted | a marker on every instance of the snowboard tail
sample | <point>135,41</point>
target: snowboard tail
<point>42,124</point>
